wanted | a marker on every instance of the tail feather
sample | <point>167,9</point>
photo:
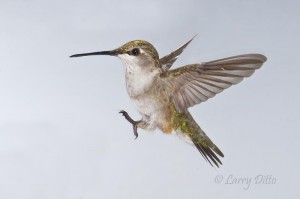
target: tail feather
<point>208,154</point>
<point>205,146</point>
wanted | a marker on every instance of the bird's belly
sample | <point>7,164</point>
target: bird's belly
<point>147,106</point>
<point>156,112</point>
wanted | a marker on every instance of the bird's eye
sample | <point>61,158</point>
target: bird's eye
<point>135,51</point>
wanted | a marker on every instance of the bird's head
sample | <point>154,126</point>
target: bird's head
<point>137,53</point>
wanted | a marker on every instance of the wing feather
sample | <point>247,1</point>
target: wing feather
<point>167,61</point>
<point>196,83</point>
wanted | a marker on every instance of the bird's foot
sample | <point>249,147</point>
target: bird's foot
<point>133,122</point>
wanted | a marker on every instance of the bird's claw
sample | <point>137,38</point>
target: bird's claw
<point>130,120</point>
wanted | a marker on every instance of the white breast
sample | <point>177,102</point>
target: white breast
<point>139,74</point>
<point>139,81</point>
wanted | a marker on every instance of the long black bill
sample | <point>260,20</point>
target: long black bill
<point>111,53</point>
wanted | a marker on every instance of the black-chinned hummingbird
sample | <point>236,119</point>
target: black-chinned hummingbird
<point>163,96</point>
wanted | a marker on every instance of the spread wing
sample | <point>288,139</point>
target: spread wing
<point>167,61</point>
<point>193,84</point>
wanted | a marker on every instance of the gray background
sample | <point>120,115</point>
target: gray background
<point>61,136</point>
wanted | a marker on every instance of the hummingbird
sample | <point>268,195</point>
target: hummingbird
<point>163,95</point>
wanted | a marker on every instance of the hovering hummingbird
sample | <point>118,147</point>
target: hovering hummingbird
<point>163,96</point>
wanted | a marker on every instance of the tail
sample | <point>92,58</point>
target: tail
<point>205,146</point>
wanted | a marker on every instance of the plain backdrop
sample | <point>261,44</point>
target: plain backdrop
<point>61,136</point>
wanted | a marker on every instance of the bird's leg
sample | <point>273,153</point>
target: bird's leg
<point>133,122</point>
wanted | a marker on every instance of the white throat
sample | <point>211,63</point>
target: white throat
<point>139,76</point>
